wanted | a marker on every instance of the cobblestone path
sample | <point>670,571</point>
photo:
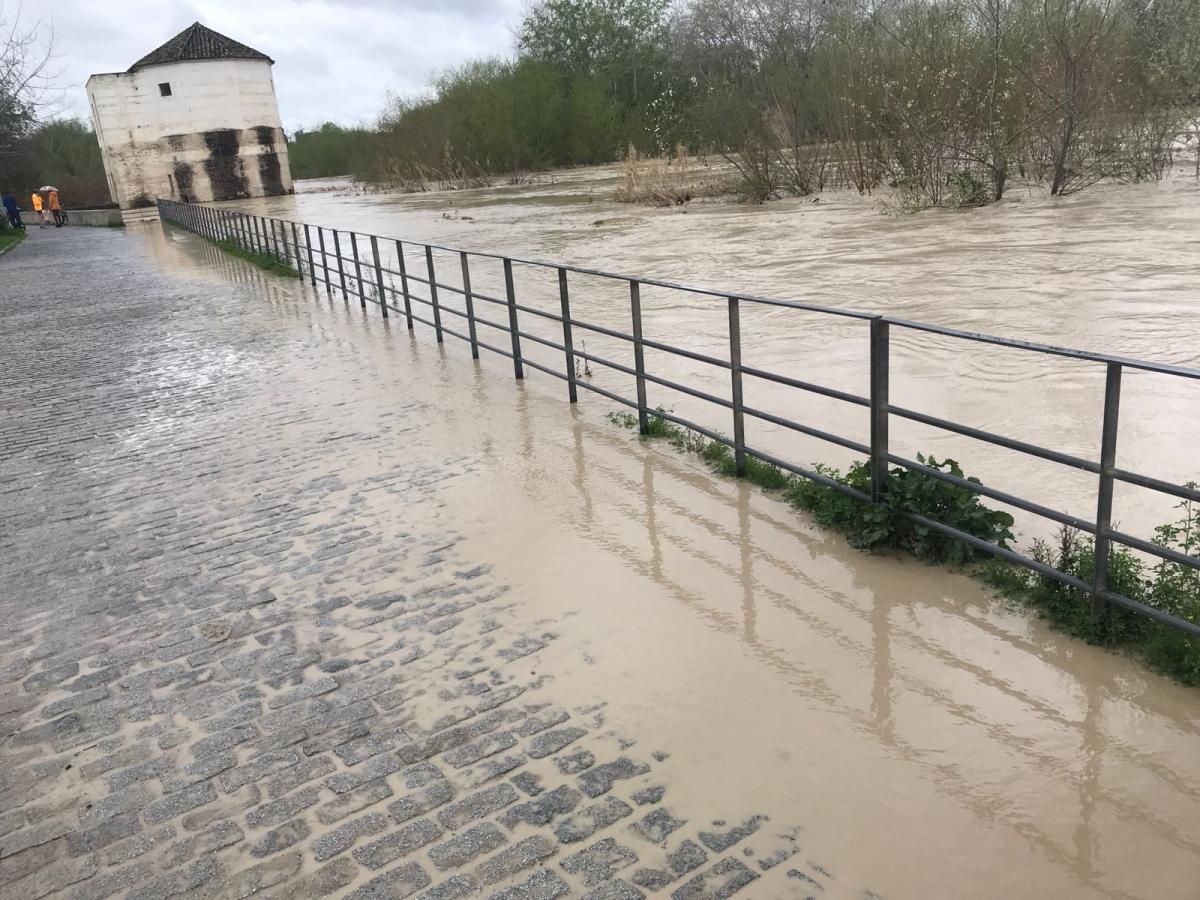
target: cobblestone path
<point>242,654</point>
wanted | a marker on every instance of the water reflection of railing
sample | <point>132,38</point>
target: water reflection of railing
<point>361,274</point>
<point>674,522</point>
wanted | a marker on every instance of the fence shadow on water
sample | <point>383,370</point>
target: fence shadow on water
<point>522,310</point>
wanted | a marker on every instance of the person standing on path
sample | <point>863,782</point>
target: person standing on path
<point>12,211</point>
<point>36,200</point>
<point>56,209</point>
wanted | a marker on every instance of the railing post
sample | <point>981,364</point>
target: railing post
<point>735,374</point>
<point>639,355</point>
<point>226,230</point>
<point>564,301</point>
<point>337,252</point>
<point>324,260</point>
<point>1104,501</point>
<point>296,250</point>
<point>433,297</point>
<point>513,327</point>
<point>312,271</point>
<point>379,276</point>
<point>257,243</point>
<point>880,363</point>
<point>466,278</point>
<point>362,292</point>
<point>404,284</point>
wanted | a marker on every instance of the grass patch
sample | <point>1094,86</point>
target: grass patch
<point>269,262</point>
<point>1162,585</point>
<point>266,261</point>
<point>10,237</point>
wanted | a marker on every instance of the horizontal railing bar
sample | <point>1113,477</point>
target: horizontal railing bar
<point>507,353</point>
<point>1155,549</point>
<point>1003,497</point>
<point>442,307</point>
<point>1048,349</point>
<point>1151,612</point>
<point>553,317</point>
<point>806,429</point>
<point>616,276</point>
<point>549,371</point>
<point>449,287</point>
<point>489,298</point>
<point>809,474</point>
<point>600,360</point>
<point>701,395</point>
<point>1176,490</point>
<point>600,329</point>
<point>451,331</point>
<point>417,318</point>
<point>996,550</point>
<point>482,321</point>
<point>806,386</point>
<point>616,398</point>
<point>690,354</point>
<point>999,440</point>
<point>539,340</point>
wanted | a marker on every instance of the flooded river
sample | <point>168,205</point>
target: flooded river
<point>929,740</point>
<point>1112,270</point>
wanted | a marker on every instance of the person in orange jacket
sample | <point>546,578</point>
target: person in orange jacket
<point>56,209</point>
<point>36,200</point>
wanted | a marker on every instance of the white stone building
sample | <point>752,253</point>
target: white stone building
<point>194,120</point>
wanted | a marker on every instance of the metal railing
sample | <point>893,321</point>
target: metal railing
<point>316,254</point>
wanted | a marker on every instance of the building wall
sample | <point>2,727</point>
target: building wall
<point>218,135</point>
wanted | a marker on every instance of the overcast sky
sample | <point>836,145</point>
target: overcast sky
<point>335,60</point>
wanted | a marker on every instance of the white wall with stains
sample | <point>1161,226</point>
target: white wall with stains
<point>216,136</point>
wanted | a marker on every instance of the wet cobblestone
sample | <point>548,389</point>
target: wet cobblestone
<point>244,653</point>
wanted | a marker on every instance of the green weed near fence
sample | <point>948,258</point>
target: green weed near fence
<point>10,237</point>
<point>267,261</point>
<point>1165,585</point>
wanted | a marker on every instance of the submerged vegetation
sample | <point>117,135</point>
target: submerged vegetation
<point>943,101</point>
<point>276,265</point>
<point>1163,585</point>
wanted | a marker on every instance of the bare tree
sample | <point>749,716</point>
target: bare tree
<point>1078,89</point>
<point>26,75</point>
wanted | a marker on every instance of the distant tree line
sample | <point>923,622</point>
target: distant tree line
<point>63,153</point>
<point>944,99</point>
<point>34,149</point>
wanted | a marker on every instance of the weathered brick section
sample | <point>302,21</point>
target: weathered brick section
<point>245,652</point>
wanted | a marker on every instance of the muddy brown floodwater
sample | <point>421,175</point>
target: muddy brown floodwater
<point>931,741</point>
<point>1112,270</point>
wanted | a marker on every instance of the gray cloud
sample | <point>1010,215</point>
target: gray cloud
<point>335,60</point>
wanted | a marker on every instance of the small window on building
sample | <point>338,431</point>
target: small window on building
<point>164,89</point>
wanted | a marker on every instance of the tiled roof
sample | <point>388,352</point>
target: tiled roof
<point>197,42</point>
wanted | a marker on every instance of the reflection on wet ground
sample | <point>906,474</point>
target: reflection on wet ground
<point>931,740</point>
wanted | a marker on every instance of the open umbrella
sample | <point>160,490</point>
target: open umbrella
<point>47,187</point>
